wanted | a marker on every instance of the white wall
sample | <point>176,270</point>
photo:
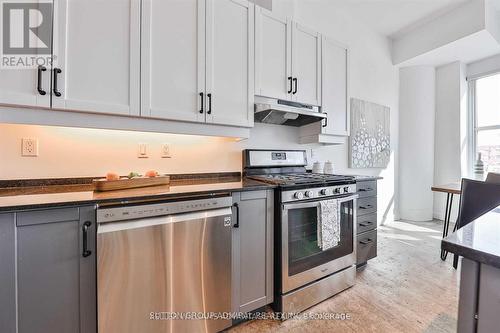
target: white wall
<point>68,152</point>
<point>416,142</point>
<point>450,147</point>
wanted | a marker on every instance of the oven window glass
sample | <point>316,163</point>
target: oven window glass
<point>303,250</point>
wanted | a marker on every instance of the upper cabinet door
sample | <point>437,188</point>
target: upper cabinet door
<point>230,62</point>
<point>20,85</point>
<point>306,66</point>
<point>273,50</point>
<point>173,59</point>
<point>335,87</point>
<point>97,56</point>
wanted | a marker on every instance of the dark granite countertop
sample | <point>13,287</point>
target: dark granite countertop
<point>478,241</point>
<point>33,197</point>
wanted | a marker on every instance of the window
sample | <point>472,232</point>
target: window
<point>486,115</point>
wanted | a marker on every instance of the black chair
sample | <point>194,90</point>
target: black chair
<point>477,198</point>
<point>493,178</point>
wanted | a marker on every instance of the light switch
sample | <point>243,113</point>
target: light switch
<point>165,150</point>
<point>142,151</point>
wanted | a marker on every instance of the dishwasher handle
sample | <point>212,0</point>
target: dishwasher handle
<point>237,208</point>
<point>161,220</point>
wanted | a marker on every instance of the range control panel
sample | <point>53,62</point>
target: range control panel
<point>317,192</point>
<point>133,212</point>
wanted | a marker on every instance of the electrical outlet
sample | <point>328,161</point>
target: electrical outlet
<point>142,151</point>
<point>313,154</point>
<point>29,147</point>
<point>165,151</point>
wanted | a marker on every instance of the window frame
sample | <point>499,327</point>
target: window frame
<point>472,127</point>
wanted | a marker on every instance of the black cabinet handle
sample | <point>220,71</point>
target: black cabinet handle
<point>85,228</point>
<point>365,224</point>
<point>326,120</point>
<point>56,92</point>
<point>365,189</point>
<point>291,85</point>
<point>365,207</point>
<point>209,103</point>
<point>39,87</point>
<point>366,242</point>
<point>296,85</point>
<point>201,98</point>
<point>237,207</point>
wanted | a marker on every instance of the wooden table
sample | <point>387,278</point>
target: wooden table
<point>450,189</point>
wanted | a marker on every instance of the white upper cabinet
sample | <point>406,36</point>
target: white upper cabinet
<point>334,87</point>
<point>287,59</point>
<point>273,55</point>
<point>97,56</point>
<point>22,87</point>
<point>26,86</point>
<point>173,59</point>
<point>306,65</point>
<point>230,62</point>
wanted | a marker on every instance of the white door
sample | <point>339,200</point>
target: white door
<point>230,62</point>
<point>273,51</point>
<point>26,85</point>
<point>97,56</point>
<point>334,87</point>
<point>306,65</point>
<point>173,60</point>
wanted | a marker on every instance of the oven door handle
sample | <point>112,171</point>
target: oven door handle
<point>297,205</point>
<point>315,203</point>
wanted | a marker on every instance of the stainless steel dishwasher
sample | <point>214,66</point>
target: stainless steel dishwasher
<point>164,267</point>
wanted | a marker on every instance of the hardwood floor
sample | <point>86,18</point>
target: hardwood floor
<point>407,288</point>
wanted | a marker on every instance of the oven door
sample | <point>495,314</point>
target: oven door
<point>302,260</point>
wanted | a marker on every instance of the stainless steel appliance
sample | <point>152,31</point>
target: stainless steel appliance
<point>164,266</point>
<point>305,274</point>
<point>282,112</point>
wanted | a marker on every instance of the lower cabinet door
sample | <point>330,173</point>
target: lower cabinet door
<point>7,273</point>
<point>55,277</point>
<point>367,246</point>
<point>252,250</point>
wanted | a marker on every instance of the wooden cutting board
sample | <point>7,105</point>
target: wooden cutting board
<point>125,183</point>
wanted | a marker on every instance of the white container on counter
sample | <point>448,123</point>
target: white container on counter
<point>328,169</point>
<point>317,167</point>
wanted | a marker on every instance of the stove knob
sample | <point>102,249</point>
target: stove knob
<point>309,194</point>
<point>346,189</point>
<point>337,190</point>
<point>325,191</point>
<point>298,195</point>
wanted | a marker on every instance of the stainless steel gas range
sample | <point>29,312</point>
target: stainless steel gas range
<point>305,274</point>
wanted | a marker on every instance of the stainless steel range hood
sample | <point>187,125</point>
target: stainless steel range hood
<point>281,112</point>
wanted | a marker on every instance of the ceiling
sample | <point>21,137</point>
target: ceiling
<point>393,18</point>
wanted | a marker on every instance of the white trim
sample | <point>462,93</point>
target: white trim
<point>471,137</point>
<point>39,116</point>
<point>487,128</point>
<point>472,127</point>
<point>483,75</point>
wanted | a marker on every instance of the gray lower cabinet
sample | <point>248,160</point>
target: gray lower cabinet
<point>55,283</point>
<point>479,298</point>
<point>252,255</point>
<point>366,229</point>
<point>7,273</point>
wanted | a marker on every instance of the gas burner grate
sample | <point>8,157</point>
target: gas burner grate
<point>300,178</point>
